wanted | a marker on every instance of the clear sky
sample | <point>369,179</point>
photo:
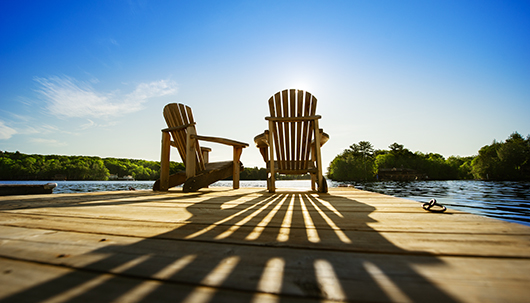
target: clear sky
<point>92,77</point>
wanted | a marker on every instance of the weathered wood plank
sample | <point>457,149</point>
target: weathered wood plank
<point>248,245</point>
<point>300,237</point>
<point>32,282</point>
<point>415,277</point>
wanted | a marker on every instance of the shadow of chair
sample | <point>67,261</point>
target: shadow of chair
<point>283,247</point>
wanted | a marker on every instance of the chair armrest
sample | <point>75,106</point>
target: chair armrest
<point>323,137</point>
<point>293,119</point>
<point>175,128</point>
<point>262,140</point>
<point>220,140</point>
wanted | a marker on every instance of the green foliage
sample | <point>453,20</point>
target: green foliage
<point>354,164</point>
<point>509,160</point>
<point>253,174</point>
<point>17,166</point>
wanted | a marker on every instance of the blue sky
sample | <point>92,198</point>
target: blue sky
<point>92,77</point>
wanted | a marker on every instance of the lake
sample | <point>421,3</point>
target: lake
<point>505,200</point>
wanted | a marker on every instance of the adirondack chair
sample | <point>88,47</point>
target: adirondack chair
<point>199,172</point>
<point>293,139</point>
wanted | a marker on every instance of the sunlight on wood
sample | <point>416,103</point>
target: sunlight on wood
<point>312,234</point>
<point>138,293</point>
<point>265,298</point>
<point>234,203</point>
<point>238,225</point>
<point>272,277</point>
<point>85,287</point>
<point>263,224</point>
<point>328,206</point>
<point>130,264</point>
<point>386,284</point>
<point>221,271</point>
<point>214,225</point>
<point>115,252</point>
<point>342,236</point>
<point>144,289</point>
<point>215,278</point>
<point>283,234</point>
<point>328,280</point>
<point>79,290</point>
<point>174,267</point>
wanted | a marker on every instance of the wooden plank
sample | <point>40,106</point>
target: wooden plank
<point>355,275</point>
<point>330,223</point>
<point>447,244</point>
<point>32,282</point>
<point>249,245</point>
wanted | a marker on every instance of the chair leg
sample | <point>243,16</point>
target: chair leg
<point>271,180</point>
<point>313,181</point>
<point>323,186</point>
<point>235,174</point>
<point>270,183</point>
<point>164,162</point>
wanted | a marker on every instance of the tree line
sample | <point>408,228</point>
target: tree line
<point>18,166</point>
<point>508,160</point>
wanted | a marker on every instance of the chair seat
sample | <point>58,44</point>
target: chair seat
<point>311,168</point>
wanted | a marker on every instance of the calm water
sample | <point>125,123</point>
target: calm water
<point>504,200</point>
<point>508,201</point>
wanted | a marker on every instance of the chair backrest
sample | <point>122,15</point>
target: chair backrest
<point>179,119</point>
<point>292,138</point>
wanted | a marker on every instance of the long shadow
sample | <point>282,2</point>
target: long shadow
<point>300,246</point>
<point>71,200</point>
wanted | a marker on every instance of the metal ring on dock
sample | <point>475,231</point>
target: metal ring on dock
<point>428,206</point>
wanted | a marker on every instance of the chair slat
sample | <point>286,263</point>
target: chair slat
<point>177,115</point>
<point>285,113</point>
<point>280,134</point>
<point>201,164</point>
<point>172,116</point>
<point>305,131</point>
<point>292,108</point>
<point>299,113</point>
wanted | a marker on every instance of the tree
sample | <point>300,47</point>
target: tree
<point>509,160</point>
<point>354,164</point>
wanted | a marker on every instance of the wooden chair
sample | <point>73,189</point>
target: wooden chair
<point>293,139</point>
<point>199,172</point>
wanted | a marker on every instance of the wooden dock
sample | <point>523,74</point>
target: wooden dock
<point>246,245</point>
